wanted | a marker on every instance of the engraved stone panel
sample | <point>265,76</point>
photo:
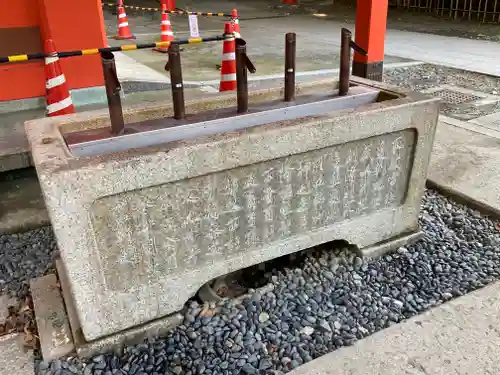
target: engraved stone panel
<point>145,234</point>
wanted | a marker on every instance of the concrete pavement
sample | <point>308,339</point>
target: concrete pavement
<point>466,162</point>
<point>318,43</point>
<point>473,55</point>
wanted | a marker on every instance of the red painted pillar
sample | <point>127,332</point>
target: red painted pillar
<point>170,4</point>
<point>371,22</point>
<point>73,26</point>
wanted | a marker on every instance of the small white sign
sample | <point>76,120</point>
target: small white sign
<point>193,26</point>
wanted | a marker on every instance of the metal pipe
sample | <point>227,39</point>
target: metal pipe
<point>175,69</point>
<point>290,53</point>
<point>241,76</point>
<point>345,61</point>
<point>113,89</point>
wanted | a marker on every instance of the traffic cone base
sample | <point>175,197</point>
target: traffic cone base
<point>124,32</point>
<point>57,95</point>
<point>228,65</point>
<point>64,107</point>
<point>117,37</point>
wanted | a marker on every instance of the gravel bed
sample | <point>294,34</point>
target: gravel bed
<point>25,256</point>
<point>421,77</point>
<point>332,300</point>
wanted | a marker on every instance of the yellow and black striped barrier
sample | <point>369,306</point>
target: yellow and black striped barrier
<point>96,51</point>
<point>208,14</point>
<point>146,9</point>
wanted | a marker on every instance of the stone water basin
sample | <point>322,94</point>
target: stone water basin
<point>145,219</point>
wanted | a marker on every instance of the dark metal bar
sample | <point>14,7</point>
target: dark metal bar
<point>241,76</point>
<point>346,43</point>
<point>250,66</point>
<point>175,69</point>
<point>345,61</point>
<point>113,89</point>
<point>290,49</point>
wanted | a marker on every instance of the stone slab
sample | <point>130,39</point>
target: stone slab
<point>22,207</point>
<point>459,337</point>
<point>15,160</point>
<point>390,245</point>
<point>52,321</point>
<point>114,342</point>
<point>14,359</point>
<point>466,162</point>
<point>14,147</point>
<point>490,121</point>
<point>128,69</point>
<point>146,228</point>
<point>80,97</point>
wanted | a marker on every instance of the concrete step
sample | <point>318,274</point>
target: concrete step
<point>21,203</point>
<point>13,143</point>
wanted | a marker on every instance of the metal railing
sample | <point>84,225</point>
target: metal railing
<point>485,11</point>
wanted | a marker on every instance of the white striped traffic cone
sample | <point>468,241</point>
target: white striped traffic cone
<point>167,34</point>
<point>123,27</point>
<point>57,95</point>
<point>236,23</point>
<point>228,65</point>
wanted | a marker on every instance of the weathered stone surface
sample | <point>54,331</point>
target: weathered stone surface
<point>14,359</point>
<point>241,209</point>
<point>5,303</point>
<point>140,231</point>
<point>51,318</point>
<point>117,341</point>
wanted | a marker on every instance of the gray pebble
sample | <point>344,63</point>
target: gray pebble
<point>248,369</point>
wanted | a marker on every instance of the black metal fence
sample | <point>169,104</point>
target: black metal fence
<point>484,11</point>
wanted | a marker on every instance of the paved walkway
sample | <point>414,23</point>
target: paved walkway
<point>318,44</point>
<point>475,55</point>
<point>466,162</point>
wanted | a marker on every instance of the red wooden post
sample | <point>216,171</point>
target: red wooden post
<point>371,22</point>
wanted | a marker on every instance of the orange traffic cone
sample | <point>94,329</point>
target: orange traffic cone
<point>228,66</point>
<point>123,27</point>
<point>236,23</point>
<point>57,95</point>
<point>167,34</point>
